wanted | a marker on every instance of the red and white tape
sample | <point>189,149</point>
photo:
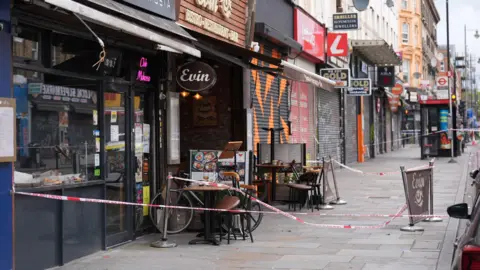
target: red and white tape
<point>376,173</point>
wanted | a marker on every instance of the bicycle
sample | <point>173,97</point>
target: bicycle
<point>180,219</point>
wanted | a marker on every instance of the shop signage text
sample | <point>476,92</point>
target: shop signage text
<point>340,75</point>
<point>397,89</point>
<point>213,6</point>
<point>211,26</point>
<point>141,74</point>
<point>386,76</point>
<point>196,76</point>
<point>62,93</point>
<point>360,87</point>
<point>345,21</point>
<point>311,34</point>
<point>165,8</point>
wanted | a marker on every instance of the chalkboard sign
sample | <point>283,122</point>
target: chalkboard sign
<point>112,63</point>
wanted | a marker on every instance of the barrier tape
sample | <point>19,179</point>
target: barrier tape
<point>375,173</point>
<point>274,209</point>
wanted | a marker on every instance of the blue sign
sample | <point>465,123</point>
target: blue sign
<point>443,119</point>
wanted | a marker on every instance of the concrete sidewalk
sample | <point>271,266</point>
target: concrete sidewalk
<point>281,243</point>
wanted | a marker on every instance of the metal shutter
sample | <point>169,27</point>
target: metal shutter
<point>329,118</point>
<point>388,122</point>
<point>351,130</point>
<point>270,101</point>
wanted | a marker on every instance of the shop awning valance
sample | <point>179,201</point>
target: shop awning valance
<point>296,73</point>
<point>119,24</point>
<point>376,52</point>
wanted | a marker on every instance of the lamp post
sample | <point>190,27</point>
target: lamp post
<point>450,103</point>
<point>473,94</point>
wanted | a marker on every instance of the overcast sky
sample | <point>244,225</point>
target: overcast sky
<point>461,12</point>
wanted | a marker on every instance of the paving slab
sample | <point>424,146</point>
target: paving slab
<point>281,243</point>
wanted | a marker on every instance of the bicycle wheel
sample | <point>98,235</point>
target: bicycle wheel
<point>179,219</point>
<point>255,218</point>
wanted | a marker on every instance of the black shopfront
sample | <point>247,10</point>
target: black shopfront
<point>89,124</point>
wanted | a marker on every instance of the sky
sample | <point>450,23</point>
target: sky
<point>461,12</point>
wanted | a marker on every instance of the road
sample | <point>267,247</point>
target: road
<point>282,243</point>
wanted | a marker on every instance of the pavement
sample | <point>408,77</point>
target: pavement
<point>282,243</point>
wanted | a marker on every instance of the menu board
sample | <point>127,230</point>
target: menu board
<point>205,165</point>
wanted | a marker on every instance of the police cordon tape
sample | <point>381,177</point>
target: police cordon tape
<point>274,209</point>
<point>375,173</point>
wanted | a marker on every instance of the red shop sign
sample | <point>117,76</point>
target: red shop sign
<point>311,34</point>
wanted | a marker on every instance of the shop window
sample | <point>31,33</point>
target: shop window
<point>56,130</point>
<point>26,44</point>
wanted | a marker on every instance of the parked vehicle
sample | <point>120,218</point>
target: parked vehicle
<point>466,255</point>
<point>476,183</point>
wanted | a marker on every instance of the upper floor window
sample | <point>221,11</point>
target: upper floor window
<point>405,32</point>
<point>414,5</point>
<point>406,70</point>
<point>404,4</point>
<point>26,44</point>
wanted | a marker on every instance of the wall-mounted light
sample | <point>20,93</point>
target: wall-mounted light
<point>197,96</point>
<point>184,94</point>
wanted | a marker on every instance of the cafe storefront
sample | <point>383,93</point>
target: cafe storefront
<point>88,104</point>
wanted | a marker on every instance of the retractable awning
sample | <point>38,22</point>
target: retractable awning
<point>119,24</point>
<point>376,52</point>
<point>296,73</point>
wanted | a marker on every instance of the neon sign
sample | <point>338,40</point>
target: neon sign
<point>141,74</point>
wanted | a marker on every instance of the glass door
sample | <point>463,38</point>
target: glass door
<point>142,120</point>
<point>118,171</point>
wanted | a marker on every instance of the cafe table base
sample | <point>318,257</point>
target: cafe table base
<point>208,237</point>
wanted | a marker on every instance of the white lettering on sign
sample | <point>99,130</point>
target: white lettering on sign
<point>334,48</point>
<point>210,25</point>
<point>189,77</point>
<point>225,6</point>
<point>418,184</point>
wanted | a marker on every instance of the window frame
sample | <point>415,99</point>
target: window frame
<point>405,34</point>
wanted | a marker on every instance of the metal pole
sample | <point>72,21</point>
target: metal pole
<point>338,201</point>
<point>324,205</point>
<point>452,160</point>
<point>163,243</point>
<point>432,219</point>
<point>86,161</point>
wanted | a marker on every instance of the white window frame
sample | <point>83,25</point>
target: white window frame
<point>406,69</point>
<point>404,4</point>
<point>405,34</point>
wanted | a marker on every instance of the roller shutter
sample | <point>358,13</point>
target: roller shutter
<point>328,125</point>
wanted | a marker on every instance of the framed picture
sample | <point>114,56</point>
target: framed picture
<point>205,112</point>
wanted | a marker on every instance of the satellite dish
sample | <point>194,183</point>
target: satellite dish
<point>440,56</point>
<point>417,75</point>
<point>433,62</point>
<point>390,3</point>
<point>361,5</point>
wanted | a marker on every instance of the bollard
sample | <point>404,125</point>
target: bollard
<point>338,201</point>
<point>324,205</point>
<point>163,243</point>
<point>432,219</point>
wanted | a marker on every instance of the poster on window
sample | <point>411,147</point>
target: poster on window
<point>138,152</point>
<point>299,113</point>
<point>444,141</point>
<point>205,165</point>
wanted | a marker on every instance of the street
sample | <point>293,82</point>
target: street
<point>281,243</point>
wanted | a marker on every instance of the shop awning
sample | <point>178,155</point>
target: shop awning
<point>119,24</point>
<point>235,54</point>
<point>296,73</point>
<point>376,52</point>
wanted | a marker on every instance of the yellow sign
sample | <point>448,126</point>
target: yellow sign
<point>114,100</point>
<point>146,199</point>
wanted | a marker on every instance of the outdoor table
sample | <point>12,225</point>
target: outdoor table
<point>273,169</point>
<point>209,202</point>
